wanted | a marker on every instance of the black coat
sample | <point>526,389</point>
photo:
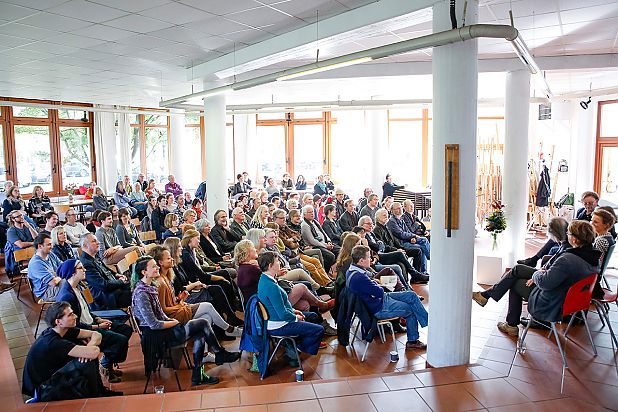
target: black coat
<point>237,231</point>
<point>210,252</point>
<point>348,221</point>
<point>102,282</point>
<point>388,189</point>
<point>383,234</point>
<point>224,239</point>
<point>333,230</point>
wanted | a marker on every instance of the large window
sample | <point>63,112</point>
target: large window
<point>407,147</point>
<point>606,164</point>
<point>308,150</point>
<point>271,153</point>
<point>49,147</point>
<point>149,146</point>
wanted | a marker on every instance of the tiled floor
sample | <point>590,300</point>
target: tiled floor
<point>499,380</point>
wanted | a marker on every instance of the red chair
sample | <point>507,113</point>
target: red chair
<point>577,300</point>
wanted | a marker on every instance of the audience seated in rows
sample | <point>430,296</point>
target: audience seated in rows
<point>110,250</point>
<point>404,234</point>
<point>122,199</point>
<point>391,243</point>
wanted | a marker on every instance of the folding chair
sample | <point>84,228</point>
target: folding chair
<point>168,361</point>
<point>125,264</point>
<point>148,236</point>
<point>22,257</point>
<point>278,340</point>
<point>43,304</point>
<point>606,259</point>
<point>578,299</point>
<point>602,306</point>
<point>380,325</point>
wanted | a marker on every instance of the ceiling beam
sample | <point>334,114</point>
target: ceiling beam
<point>360,17</point>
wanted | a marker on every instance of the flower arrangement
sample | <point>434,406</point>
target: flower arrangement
<point>496,221</point>
<point>71,188</point>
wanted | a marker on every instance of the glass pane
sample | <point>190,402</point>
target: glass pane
<point>75,155</point>
<point>350,140</point>
<point>19,111</point>
<point>308,151</point>
<point>73,114</point>
<point>609,120</point>
<point>229,153</point>
<point>609,174</point>
<point>33,157</point>
<point>193,156</point>
<point>192,118</point>
<point>134,119</point>
<point>271,155</point>
<point>155,119</point>
<point>156,154</point>
<point>308,115</point>
<point>134,150</point>
<point>411,113</point>
<point>270,116</point>
<point>405,142</point>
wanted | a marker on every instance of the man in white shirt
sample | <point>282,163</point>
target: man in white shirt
<point>73,228</point>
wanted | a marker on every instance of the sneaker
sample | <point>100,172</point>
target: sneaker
<point>478,298</point>
<point>209,358</point>
<point>205,380</point>
<point>508,329</point>
<point>415,344</point>
<point>236,332</point>
<point>328,330</point>
<point>531,261</point>
<point>323,345</point>
<point>224,356</point>
<point>110,375</point>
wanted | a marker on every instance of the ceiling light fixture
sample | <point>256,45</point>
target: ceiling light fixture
<point>432,40</point>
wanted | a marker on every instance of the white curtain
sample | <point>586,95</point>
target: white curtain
<point>105,150</point>
<point>124,135</point>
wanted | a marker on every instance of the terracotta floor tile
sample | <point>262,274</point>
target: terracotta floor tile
<point>356,403</point>
<point>400,401</point>
<point>310,405</point>
<point>297,391</point>
<point>340,369</point>
<point>66,406</point>
<point>254,395</point>
<point>220,398</point>
<point>498,355</point>
<point>494,392</point>
<point>402,381</point>
<point>181,401</point>
<point>567,405</point>
<point>143,403</point>
<point>437,376</point>
<point>367,385</point>
<point>536,391</point>
<point>330,389</point>
<point>449,398</point>
<point>251,408</point>
<point>105,404</point>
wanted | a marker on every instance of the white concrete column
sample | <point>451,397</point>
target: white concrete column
<point>455,78</point>
<point>377,126</point>
<point>515,172</point>
<point>178,149</point>
<point>245,144</point>
<point>216,182</point>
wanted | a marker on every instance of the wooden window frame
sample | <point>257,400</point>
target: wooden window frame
<point>601,142</point>
<point>142,126</point>
<point>54,123</point>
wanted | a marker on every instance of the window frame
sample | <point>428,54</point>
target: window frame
<point>601,143</point>
<point>54,123</point>
<point>142,126</point>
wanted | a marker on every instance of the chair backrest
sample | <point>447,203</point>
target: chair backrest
<point>22,255</point>
<point>579,295</point>
<point>606,259</point>
<point>150,235</point>
<point>123,265</point>
<point>61,209</point>
<point>136,221</point>
<point>262,310</point>
<point>133,321</point>
<point>131,257</point>
<point>87,295</point>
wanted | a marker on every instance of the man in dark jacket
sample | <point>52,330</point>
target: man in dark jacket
<point>385,305</point>
<point>221,235</point>
<point>158,217</point>
<point>239,226</point>
<point>406,237</point>
<point>349,219</point>
<point>388,188</point>
<point>391,244</point>
<point>109,291</point>
<point>241,186</point>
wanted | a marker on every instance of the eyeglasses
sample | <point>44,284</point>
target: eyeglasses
<point>70,214</point>
<point>588,203</point>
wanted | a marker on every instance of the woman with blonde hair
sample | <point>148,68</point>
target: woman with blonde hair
<point>62,248</point>
<point>39,203</point>
<point>260,218</point>
<point>99,200</point>
<point>171,222</point>
<point>189,217</point>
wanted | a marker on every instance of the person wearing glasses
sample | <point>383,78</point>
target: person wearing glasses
<point>545,289</point>
<point>115,335</point>
<point>73,228</point>
<point>590,201</point>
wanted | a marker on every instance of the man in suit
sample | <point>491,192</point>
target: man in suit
<point>241,186</point>
<point>221,235</point>
<point>109,290</point>
<point>349,218</point>
<point>239,226</point>
<point>411,220</point>
<point>406,236</point>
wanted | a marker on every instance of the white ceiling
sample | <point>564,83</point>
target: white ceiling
<point>136,52</point>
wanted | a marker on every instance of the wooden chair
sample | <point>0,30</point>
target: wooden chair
<point>146,236</point>
<point>43,304</point>
<point>135,221</point>
<point>22,257</point>
<point>62,211</point>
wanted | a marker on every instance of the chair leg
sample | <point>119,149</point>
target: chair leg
<point>36,331</point>
<point>564,361</point>
<point>603,314</point>
<point>365,351</point>
<point>381,332</point>
<point>272,355</point>
<point>21,278</point>
<point>569,325</point>
<point>300,364</point>
<point>177,381</point>
<point>355,331</point>
<point>148,375</point>
<point>187,356</point>
<point>521,346</point>
<point>393,335</point>
<point>594,348</point>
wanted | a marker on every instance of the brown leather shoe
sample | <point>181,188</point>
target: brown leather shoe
<point>416,344</point>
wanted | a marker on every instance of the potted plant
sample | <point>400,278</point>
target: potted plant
<point>71,188</point>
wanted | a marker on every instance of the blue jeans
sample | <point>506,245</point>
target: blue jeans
<point>309,335</point>
<point>405,305</point>
<point>408,245</point>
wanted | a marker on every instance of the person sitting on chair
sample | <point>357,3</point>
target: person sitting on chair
<point>385,305</point>
<point>42,269</point>
<point>60,352</point>
<point>545,289</point>
<point>115,335</point>
<point>283,319</point>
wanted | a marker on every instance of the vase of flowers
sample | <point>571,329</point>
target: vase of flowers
<point>71,188</point>
<point>496,222</point>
